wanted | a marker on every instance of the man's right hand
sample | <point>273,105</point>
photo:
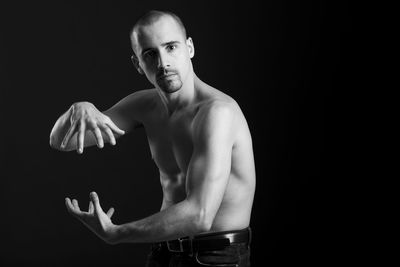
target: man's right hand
<point>86,117</point>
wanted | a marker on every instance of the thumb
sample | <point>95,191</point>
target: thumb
<point>96,202</point>
<point>110,212</point>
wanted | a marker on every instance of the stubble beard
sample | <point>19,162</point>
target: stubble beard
<point>170,85</point>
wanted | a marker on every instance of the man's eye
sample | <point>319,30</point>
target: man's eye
<point>171,47</point>
<point>149,54</point>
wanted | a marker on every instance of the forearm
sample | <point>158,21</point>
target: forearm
<point>181,219</point>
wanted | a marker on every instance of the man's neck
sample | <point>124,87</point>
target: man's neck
<point>182,98</point>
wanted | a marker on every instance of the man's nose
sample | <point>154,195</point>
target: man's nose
<point>163,62</point>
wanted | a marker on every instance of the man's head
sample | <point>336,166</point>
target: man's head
<point>162,50</point>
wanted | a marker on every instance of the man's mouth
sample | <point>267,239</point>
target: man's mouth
<point>165,76</point>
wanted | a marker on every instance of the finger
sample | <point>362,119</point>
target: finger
<point>70,132</point>
<point>110,212</point>
<point>96,202</point>
<point>91,208</point>
<point>76,205</point>
<point>81,137</point>
<point>99,138</point>
<point>109,134</point>
<point>70,207</point>
<point>115,128</point>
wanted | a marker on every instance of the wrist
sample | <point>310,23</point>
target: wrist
<point>114,234</point>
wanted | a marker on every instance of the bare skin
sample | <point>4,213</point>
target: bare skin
<point>198,137</point>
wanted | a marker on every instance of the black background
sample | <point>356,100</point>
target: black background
<point>282,61</point>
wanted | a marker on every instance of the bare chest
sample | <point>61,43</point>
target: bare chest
<point>171,145</point>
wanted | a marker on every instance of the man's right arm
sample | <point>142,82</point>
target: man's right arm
<point>83,125</point>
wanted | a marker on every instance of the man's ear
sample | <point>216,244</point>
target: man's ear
<point>135,62</point>
<point>189,43</point>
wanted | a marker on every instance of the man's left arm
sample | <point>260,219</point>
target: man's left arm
<point>206,181</point>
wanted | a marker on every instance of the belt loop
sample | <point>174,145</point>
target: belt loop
<point>191,246</point>
<point>250,236</point>
<point>180,244</point>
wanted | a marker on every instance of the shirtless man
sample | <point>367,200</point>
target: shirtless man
<point>199,140</point>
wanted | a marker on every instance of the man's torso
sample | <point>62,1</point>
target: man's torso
<point>171,143</point>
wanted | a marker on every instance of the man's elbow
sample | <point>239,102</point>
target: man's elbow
<point>203,221</point>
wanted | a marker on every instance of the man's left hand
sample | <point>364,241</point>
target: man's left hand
<point>95,218</point>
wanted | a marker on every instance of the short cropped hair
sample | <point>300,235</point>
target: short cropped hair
<point>152,16</point>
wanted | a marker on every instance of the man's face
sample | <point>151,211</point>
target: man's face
<point>164,54</point>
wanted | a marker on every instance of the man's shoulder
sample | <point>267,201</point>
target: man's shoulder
<point>140,100</point>
<point>216,119</point>
<point>217,112</point>
<point>218,104</point>
<point>143,95</point>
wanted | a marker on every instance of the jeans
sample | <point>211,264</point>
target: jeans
<point>236,255</point>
